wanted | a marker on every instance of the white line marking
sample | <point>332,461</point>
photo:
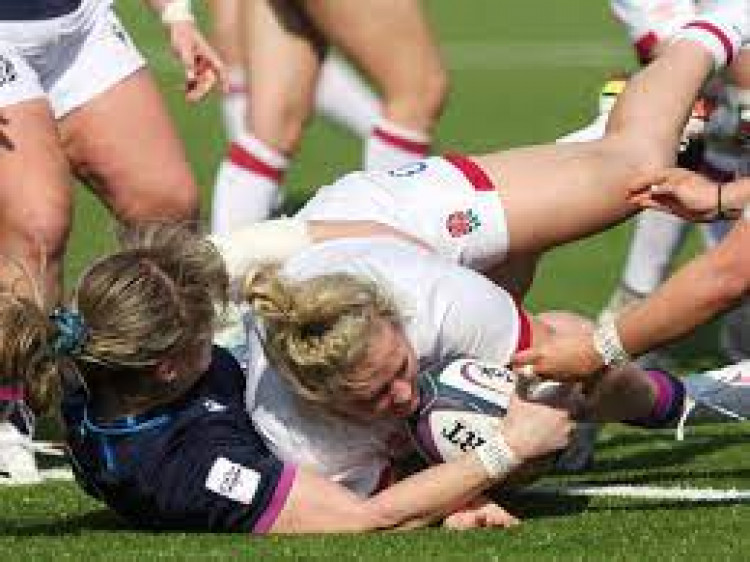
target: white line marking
<point>48,475</point>
<point>62,473</point>
<point>643,492</point>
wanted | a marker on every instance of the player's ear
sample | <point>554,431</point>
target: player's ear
<point>166,371</point>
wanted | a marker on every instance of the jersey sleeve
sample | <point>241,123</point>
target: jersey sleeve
<point>221,477</point>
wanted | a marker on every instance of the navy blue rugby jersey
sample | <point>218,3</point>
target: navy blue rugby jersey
<point>31,10</point>
<point>195,464</point>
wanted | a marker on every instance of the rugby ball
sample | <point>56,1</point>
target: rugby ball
<point>461,404</point>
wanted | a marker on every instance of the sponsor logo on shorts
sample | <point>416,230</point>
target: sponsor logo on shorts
<point>408,170</point>
<point>233,481</point>
<point>461,223</point>
<point>8,72</point>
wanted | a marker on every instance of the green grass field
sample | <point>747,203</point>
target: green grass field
<point>522,72</point>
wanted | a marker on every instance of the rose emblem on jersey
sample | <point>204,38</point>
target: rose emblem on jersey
<point>461,223</point>
<point>7,71</point>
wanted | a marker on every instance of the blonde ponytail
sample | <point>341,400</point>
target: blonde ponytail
<point>317,331</point>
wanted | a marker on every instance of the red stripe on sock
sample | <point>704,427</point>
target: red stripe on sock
<point>476,176</point>
<point>718,33</point>
<point>415,147</point>
<point>644,47</point>
<point>245,160</point>
<point>11,393</point>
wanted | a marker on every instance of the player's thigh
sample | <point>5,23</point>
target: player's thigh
<point>285,51</point>
<point>552,194</point>
<point>35,189</point>
<point>123,144</point>
<point>390,40</point>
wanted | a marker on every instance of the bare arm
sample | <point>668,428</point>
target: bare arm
<point>706,286</point>
<point>318,505</point>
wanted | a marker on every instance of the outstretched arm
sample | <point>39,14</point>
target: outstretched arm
<point>315,504</point>
<point>706,286</point>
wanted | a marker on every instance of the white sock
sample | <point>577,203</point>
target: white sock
<point>234,103</point>
<point>247,184</point>
<point>647,22</point>
<point>345,98</point>
<point>656,239</point>
<point>719,31</point>
<point>592,131</point>
<point>390,146</point>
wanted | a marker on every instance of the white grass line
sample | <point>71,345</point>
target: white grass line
<point>62,473</point>
<point>48,475</point>
<point>644,492</point>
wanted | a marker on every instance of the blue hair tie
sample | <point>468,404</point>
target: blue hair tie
<point>72,332</point>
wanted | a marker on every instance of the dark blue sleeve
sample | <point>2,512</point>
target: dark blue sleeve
<point>219,476</point>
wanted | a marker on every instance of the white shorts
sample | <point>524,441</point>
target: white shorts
<point>448,202</point>
<point>68,59</point>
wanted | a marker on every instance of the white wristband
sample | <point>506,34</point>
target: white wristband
<point>177,11</point>
<point>497,458</point>
<point>607,342</point>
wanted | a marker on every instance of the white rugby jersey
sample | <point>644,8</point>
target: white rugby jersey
<point>448,311</point>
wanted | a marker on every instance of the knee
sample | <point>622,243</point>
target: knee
<point>280,125</point>
<point>37,236</point>
<point>418,100</point>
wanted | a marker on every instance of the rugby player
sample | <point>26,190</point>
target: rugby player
<point>77,99</point>
<point>349,325</point>
<point>288,40</point>
<point>340,94</point>
<point>155,418</point>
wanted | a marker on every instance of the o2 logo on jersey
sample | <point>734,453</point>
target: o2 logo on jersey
<point>409,170</point>
<point>461,223</point>
<point>8,72</point>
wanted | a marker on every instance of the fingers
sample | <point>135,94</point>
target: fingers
<point>490,515</point>
<point>202,66</point>
<point>523,362</point>
<point>644,182</point>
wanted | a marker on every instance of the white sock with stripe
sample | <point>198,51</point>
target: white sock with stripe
<point>390,146</point>
<point>719,31</point>
<point>247,184</point>
<point>345,98</point>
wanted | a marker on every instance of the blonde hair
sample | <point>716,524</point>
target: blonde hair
<point>153,298</point>
<point>317,331</point>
